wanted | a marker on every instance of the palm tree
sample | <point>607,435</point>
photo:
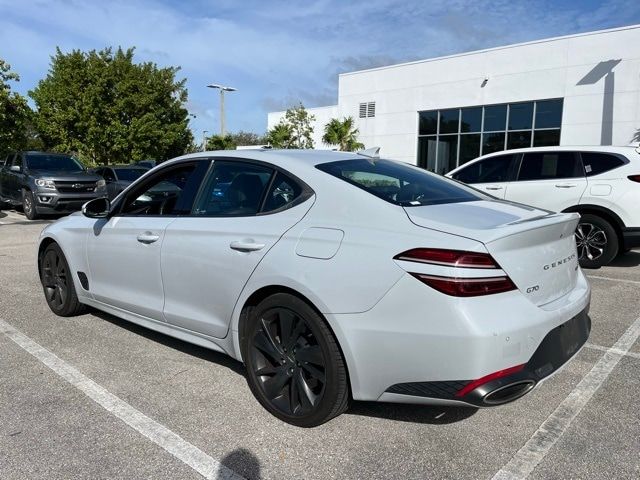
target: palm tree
<point>218,142</point>
<point>280,136</point>
<point>341,133</point>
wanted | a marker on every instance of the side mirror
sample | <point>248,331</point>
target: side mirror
<point>97,208</point>
<point>15,168</point>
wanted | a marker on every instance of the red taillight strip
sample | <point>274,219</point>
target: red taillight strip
<point>467,287</point>
<point>634,178</point>
<point>449,258</point>
<point>488,378</point>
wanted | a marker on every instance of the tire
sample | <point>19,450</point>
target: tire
<point>295,368</point>
<point>596,240</point>
<point>29,205</point>
<point>57,283</point>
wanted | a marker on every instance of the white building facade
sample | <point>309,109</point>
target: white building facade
<point>575,90</point>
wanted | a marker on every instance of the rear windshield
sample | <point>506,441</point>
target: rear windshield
<point>130,174</point>
<point>399,183</point>
<point>53,163</point>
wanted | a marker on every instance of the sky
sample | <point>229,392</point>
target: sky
<point>276,52</point>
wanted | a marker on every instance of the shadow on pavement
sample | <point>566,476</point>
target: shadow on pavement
<point>174,343</point>
<point>629,259</point>
<point>432,415</point>
<point>243,462</point>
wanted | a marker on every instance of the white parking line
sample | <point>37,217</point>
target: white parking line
<point>593,346</point>
<point>532,453</point>
<point>154,431</point>
<point>623,280</point>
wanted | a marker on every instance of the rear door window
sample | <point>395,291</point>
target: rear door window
<point>233,189</point>
<point>596,163</point>
<point>490,170</point>
<point>550,166</point>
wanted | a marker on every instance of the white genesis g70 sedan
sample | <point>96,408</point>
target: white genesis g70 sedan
<point>332,276</point>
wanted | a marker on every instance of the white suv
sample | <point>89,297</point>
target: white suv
<point>602,184</point>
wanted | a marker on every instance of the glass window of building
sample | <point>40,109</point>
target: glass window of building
<point>448,138</point>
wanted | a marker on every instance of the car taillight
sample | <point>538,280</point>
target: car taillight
<point>457,286</point>
<point>449,258</point>
<point>634,178</point>
<point>467,287</point>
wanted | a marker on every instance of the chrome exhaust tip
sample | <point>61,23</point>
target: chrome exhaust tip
<point>509,392</point>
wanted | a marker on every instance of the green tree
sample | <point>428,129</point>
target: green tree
<point>248,138</point>
<point>342,134</point>
<point>218,142</point>
<point>16,132</point>
<point>294,130</point>
<point>108,109</point>
<point>280,136</point>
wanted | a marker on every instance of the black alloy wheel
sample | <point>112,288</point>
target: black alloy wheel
<point>596,241</point>
<point>57,283</point>
<point>295,368</point>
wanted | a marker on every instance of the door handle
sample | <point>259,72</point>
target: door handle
<point>246,246</point>
<point>566,185</point>
<point>494,188</point>
<point>147,238</point>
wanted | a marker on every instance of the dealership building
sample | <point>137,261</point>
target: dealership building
<point>440,113</point>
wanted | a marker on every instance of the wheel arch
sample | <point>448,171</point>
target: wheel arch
<point>44,243</point>
<point>608,215</point>
<point>266,291</point>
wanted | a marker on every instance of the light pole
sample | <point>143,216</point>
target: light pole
<point>204,140</point>
<point>222,89</point>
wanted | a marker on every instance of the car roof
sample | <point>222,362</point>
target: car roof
<point>291,159</point>
<point>628,151</point>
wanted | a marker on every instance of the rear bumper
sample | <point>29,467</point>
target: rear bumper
<point>415,346</point>
<point>631,237</point>
<point>556,349</point>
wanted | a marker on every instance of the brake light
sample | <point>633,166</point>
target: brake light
<point>488,378</point>
<point>467,287</point>
<point>634,178</point>
<point>449,258</point>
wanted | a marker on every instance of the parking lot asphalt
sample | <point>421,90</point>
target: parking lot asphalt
<point>581,423</point>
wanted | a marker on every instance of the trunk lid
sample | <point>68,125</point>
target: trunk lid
<point>536,248</point>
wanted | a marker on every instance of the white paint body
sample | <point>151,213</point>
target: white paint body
<point>337,250</point>
<point>544,69</point>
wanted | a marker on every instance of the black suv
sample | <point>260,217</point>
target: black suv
<point>47,183</point>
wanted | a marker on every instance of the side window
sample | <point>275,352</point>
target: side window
<point>17,160</point>
<point>283,192</point>
<point>596,162</point>
<point>169,193</point>
<point>489,170</point>
<point>550,165</point>
<point>233,189</point>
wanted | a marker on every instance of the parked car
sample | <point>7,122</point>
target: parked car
<point>326,284</point>
<point>147,163</point>
<point>44,183</point>
<point>119,177</point>
<point>602,184</point>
